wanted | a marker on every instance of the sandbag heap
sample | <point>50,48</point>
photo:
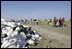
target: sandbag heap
<point>16,35</point>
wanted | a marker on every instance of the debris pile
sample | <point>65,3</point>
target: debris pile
<point>16,35</point>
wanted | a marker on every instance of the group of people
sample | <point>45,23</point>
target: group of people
<point>57,22</point>
<point>60,21</point>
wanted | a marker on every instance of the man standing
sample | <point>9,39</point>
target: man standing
<point>31,21</point>
<point>60,21</point>
<point>47,21</point>
<point>63,20</point>
<point>55,21</point>
<point>50,21</point>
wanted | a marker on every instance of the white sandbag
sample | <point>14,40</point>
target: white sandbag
<point>23,36</point>
<point>16,36</point>
<point>4,44</point>
<point>12,46</point>
<point>17,28</point>
<point>50,23</point>
<point>30,42</point>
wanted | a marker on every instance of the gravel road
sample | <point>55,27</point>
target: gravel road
<point>53,37</point>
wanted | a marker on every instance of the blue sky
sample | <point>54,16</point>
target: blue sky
<point>18,10</point>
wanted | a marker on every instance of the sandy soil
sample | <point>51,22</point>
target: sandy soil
<point>53,37</point>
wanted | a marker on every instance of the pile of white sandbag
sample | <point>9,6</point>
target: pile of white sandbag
<point>16,35</point>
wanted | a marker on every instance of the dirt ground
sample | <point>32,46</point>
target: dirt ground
<point>53,37</point>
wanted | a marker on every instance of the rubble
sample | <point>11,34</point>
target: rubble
<point>16,35</point>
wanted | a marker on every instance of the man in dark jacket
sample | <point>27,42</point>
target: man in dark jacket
<point>55,21</point>
<point>60,22</point>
